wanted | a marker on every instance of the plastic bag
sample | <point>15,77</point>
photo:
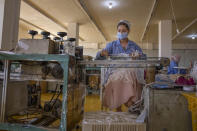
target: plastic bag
<point>193,72</point>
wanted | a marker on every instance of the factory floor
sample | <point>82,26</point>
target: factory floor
<point>92,104</point>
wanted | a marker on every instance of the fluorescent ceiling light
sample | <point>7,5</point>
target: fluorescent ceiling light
<point>110,3</point>
<point>192,36</point>
<point>177,30</point>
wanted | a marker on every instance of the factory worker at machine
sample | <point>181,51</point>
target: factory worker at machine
<point>174,63</point>
<point>122,45</point>
<point>122,86</point>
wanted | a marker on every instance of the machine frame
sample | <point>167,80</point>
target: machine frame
<point>7,58</point>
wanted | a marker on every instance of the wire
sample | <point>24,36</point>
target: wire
<point>54,93</point>
<point>171,5</point>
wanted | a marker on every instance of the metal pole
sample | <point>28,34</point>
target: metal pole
<point>4,90</point>
<point>63,123</point>
<point>185,28</point>
<point>150,16</point>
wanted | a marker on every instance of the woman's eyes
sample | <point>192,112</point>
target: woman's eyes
<point>122,31</point>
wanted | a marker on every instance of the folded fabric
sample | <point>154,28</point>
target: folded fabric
<point>160,85</point>
<point>185,81</point>
<point>163,78</point>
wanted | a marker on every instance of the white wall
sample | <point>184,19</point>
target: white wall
<point>151,53</point>
<point>91,52</point>
<point>89,45</point>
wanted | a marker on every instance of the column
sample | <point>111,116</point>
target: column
<point>9,23</point>
<point>165,38</point>
<point>73,32</point>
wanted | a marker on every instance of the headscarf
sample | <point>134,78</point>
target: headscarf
<point>124,22</point>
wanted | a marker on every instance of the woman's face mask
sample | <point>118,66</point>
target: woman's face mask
<point>122,32</point>
<point>122,35</point>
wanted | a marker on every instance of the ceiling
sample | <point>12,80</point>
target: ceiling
<point>185,13</point>
<point>97,23</point>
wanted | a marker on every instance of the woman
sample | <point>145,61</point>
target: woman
<point>122,45</point>
<point>122,86</point>
<point>174,63</point>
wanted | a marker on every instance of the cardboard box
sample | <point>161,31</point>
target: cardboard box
<point>36,46</point>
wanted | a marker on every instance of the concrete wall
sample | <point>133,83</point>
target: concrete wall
<point>89,45</point>
<point>91,52</point>
<point>23,32</point>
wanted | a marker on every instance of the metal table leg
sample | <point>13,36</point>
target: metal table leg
<point>63,123</point>
<point>4,90</point>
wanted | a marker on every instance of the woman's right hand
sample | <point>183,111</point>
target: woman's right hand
<point>135,56</point>
<point>104,53</point>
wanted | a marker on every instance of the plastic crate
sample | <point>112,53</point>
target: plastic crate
<point>192,106</point>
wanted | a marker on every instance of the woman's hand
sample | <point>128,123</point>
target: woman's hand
<point>104,53</point>
<point>134,56</point>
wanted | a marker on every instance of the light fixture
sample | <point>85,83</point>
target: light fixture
<point>110,5</point>
<point>192,36</point>
<point>177,30</point>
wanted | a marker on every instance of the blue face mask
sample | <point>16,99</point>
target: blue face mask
<point>122,35</point>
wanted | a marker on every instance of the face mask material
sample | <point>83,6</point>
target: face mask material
<point>122,35</point>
